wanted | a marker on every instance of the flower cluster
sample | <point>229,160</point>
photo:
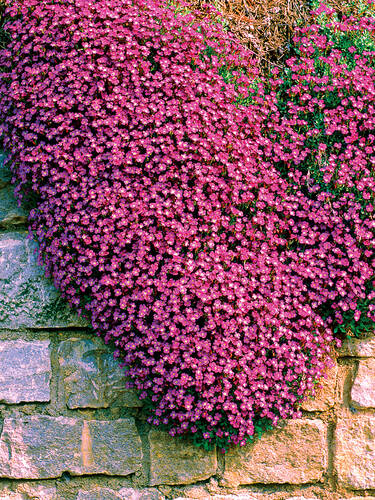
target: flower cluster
<point>324,135</point>
<point>188,226</point>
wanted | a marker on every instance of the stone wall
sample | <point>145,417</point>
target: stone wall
<point>69,430</point>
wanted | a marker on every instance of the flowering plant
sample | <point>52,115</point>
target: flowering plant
<point>173,202</point>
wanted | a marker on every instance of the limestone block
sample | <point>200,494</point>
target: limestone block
<point>40,446</point>
<point>29,491</point>
<point>10,213</point>
<point>355,451</point>
<point>361,348</point>
<point>294,453</point>
<point>363,389</point>
<point>99,493</point>
<point>28,299</point>
<point>177,461</point>
<point>90,377</point>
<point>25,371</point>
<point>325,394</point>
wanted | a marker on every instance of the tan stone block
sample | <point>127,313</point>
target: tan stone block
<point>24,491</point>
<point>355,451</point>
<point>345,379</point>
<point>178,461</point>
<point>295,452</point>
<point>363,390</point>
<point>325,393</point>
<point>360,348</point>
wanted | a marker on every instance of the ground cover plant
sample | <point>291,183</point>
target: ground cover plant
<point>325,96</point>
<point>179,202</point>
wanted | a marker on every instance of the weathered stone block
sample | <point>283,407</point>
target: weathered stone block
<point>28,299</point>
<point>177,461</point>
<point>5,175</point>
<point>358,498</point>
<point>25,371</point>
<point>90,377</point>
<point>361,348</point>
<point>355,451</point>
<point>363,390</point>
<point>40,446</point>
<point>135,494</point>
<point>295,453</point>
<point>123,494</point>
<point>325,394</point>
<point>98,494</point>
<point>10,213</point>
<point>26,491</point>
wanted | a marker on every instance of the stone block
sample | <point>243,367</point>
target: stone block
<point>90,377</point>
<point>324,398</point>
<point>294,453</point>
<point>28,298</point>
<point>25,371</point>
<point>355,451</point>
<point>5,174</point>
<point>359,348</point>
<point>99,493</point>
<point>10,213</point>
<point>177,461</point>
<point>24,491</point>
<point>363,389</point>
<point>40,446</point>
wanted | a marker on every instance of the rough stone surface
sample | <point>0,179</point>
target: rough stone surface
<point>28,299</point>
<point>25,371</point>
<point>29,492</point>
<point>325,394</point>
<point>176,461</point>
<point>123,494</point>
<point>5,175</point>
<point>40,446</point>
<point>146,494</point>
<point>296,453</point>
<point>10,213</point>
<point>363,390</point>
<point>361,348</point>
<point>90,377</point>
<point>355,451</point>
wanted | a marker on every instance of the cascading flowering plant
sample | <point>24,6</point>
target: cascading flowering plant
<point>173,202</point>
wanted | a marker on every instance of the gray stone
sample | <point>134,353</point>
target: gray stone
<point>99,493</point>
<point>177,461</point>
<point>25,371</point>
<point>363,390</point>
<point>28,298</point>
<point>10,213</point>
<point>40,446</point>
<point>5,174</point>
<point>90,377</point>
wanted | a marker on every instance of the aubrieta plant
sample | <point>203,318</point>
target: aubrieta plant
<point>325,145</point>
<point>196,232</point>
